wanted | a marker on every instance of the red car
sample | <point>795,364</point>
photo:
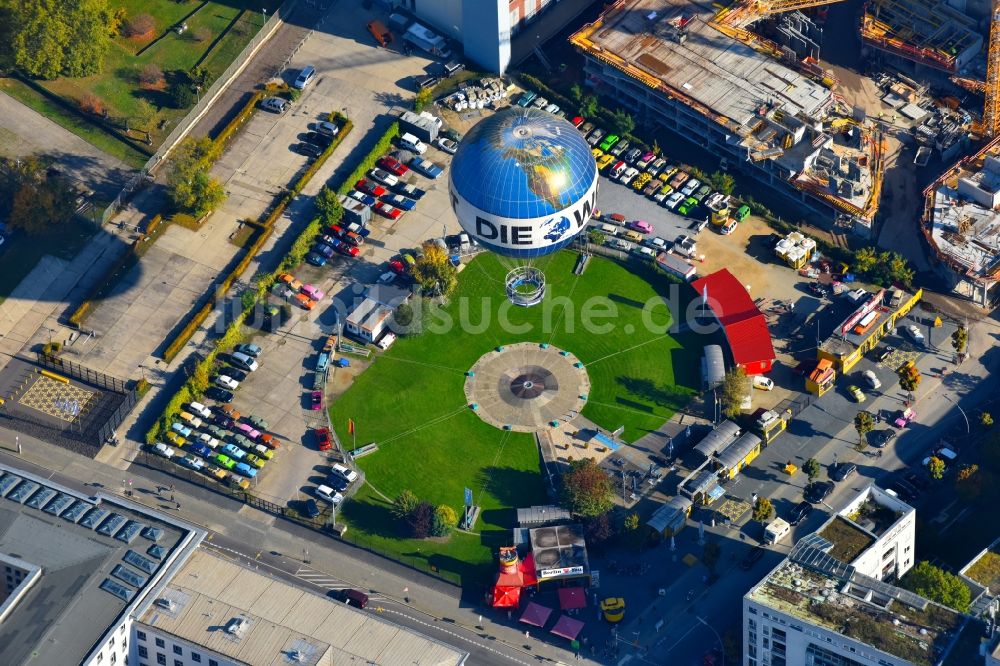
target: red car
<point>392,165</point>
<point>388,211</point>
<point>373,189</point>
<point>348,249</point>
<point>577,121</point>
<point>397,267</point>
<point>323,439</point>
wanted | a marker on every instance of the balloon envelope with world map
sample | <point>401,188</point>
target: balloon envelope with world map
<point>523,185</point>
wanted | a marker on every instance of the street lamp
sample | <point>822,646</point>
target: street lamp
<point>964,416</point>
<point>722,645</point>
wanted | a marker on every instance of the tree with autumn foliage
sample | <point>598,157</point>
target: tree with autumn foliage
<point>586,489</point>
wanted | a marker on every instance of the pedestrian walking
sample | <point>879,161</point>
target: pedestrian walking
<point>172,499</point>
<point>178,506</point>
<point>527,634</point>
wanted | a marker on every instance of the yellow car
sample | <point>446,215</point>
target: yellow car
<point>604,161</point>
<point>597,152</point>
<point>216,472</point>
<point>668,172</point>
<point>255,460</point>
<point>262,451</point>
<point>641,180</point>
<point>176,439</point>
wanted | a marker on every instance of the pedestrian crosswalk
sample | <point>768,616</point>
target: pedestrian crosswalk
<point>320,578</point>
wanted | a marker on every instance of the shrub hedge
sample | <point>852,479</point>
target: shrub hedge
<point>380,149</point>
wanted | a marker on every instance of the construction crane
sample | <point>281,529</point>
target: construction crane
<point>991,92</point>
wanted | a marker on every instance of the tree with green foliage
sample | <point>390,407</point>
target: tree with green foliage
<point>735,387</point>
<point>722,182</point>
<point>403,315</point>
<point>576,93</point>
<point>328,205</point>
<point>864,423</point>
<point>909,382</point>
<point>938,585</point>
<point>444,521</point>
<point>434,271</point>
<point>421,520</point>
<point>46,39</point>
<point>624,122</point>
<point>595,237</point>
<point>812,469</point>
<point>423,98</point>
<point>31,200</point>
<point>189,186</point>
<point>986,419</point>
<point>960,339</point>
<point>632,531</point>
<point>865,260</point>
<point>589,106</point>
<point>403,504</point>
<point>182,94</point>
<point>586,489</point>
<point>762,510</point>
<point>936,468</point>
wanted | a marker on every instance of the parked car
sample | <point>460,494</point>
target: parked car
<point>249,349</point>
<point>393,166</point>
<point>426,167</point>
<point>447,145</point>
<point>192,462</point>
<point>274,104</point>
<point>413,144</point>
<point>763,383</point>
<point>399,201</point>
<point>317,139</point>
<point>233,451</point>
<point>641,226</point>
<point>244,361</point>
<point>366,199</point>
<point>305,77</point>
<point>227,382</point>
<point>632,155</point>
<point>255,460</point>
<point>313,292</point>
<point>817,491</point>
<point>191,419</point>
<point>407,190</point>
<point>368,187</point>
<point>219,394</point>
<point>915,334</point>
<point>872,380</point>
<point>308,149</point>
<point>290,280</point>
<point>628,176</point>
<point>310,509</point>
<point>354,598</point>
<point>224,461</point>
<point>800,512</point>
<point>201,450</point>
<point>200,409</point>
<point>752,557</point>
<point>205,439</point>
<point>856,393</point>
<point>180,429</point>
<point>248,430</point>
<point>604,161</point>
<point>347,473</point>
<point>328,128</point>
<point>324,440</point>
<point>673,200</point>
<point>304,301</point>
<point>388,211</point>
<point>841,471</point>
<point>328,494</point>
<point>246,470</point>
<point>176,439</point>
<point>609,141</point>
<point>236,373</point>
<point>595,137</point>
<point>162,449</point>
<point>384,177</point>
<point>586,128</point>
<point>619,148</point>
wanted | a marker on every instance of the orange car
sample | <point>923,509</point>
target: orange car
<point>269,441</point>
<point>306,302</point>
<point>230,411</point>
<point>290,280</point>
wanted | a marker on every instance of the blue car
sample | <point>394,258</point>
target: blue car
<point>181,429</point>
<point>366,199</point>
<point>425,167</point>
<point>249,349</point>
<point>324,249</point>
<point>316,259</point>
<point>246,470</point>
<point>201,450</point>
<point>399,201</point>
<point>234,452</point>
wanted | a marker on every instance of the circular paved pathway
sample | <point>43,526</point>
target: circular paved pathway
<point>527,386</point>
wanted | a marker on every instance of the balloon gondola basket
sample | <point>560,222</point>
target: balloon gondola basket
<point>525,286</point>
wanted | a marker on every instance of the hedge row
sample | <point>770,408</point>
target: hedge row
<point>230,129</point>
<point>381,148</point>
<point>234,333</point>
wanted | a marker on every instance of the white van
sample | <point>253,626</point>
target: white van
<point>609,230</point>
<point>410,142</point>
<point>305,77</point>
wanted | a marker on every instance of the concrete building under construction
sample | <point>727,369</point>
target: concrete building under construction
<point>927,32</point>
<point>961,223</point>
<point>673,64</point>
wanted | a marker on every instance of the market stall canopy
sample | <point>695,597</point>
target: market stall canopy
<point>506,596</point>
<point>572,597</point>
<point>536,614</point>
<point>567,627</point>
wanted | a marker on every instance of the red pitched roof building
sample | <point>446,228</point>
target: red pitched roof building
<point>744,324</point>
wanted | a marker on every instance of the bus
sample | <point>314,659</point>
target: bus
<point>866,322</point>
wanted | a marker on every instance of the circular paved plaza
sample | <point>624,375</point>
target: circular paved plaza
<point>527,386</point>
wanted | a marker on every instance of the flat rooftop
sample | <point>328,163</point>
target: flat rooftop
<point>844,343</point>
<point>209,594</point>
<point>861,608</point>
<point>88,579</point>
<point>985,569</point>
<point>721,73</point>
<point>848,539</point>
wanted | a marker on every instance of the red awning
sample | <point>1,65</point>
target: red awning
<point>567,627</point>
<point>506,597</point>
<point>528,571</point>
<point>572,597</point>
<point>536,614</point>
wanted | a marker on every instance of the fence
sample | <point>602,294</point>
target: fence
<point>320,524</point>
<point>199,109</point>
<point>83,373</point>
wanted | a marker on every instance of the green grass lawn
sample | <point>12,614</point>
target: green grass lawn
<point>411,400</point>
<point>118,85</point>
<point>20,253</point>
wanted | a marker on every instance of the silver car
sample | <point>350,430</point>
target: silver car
<point>274,104</point>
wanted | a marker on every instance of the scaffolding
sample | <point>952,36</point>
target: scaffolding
<point>991,108</point>
<point>926,31</point>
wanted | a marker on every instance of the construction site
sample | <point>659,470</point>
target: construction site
<point>962,225</point>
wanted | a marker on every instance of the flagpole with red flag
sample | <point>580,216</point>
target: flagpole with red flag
<point>354,436</point>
